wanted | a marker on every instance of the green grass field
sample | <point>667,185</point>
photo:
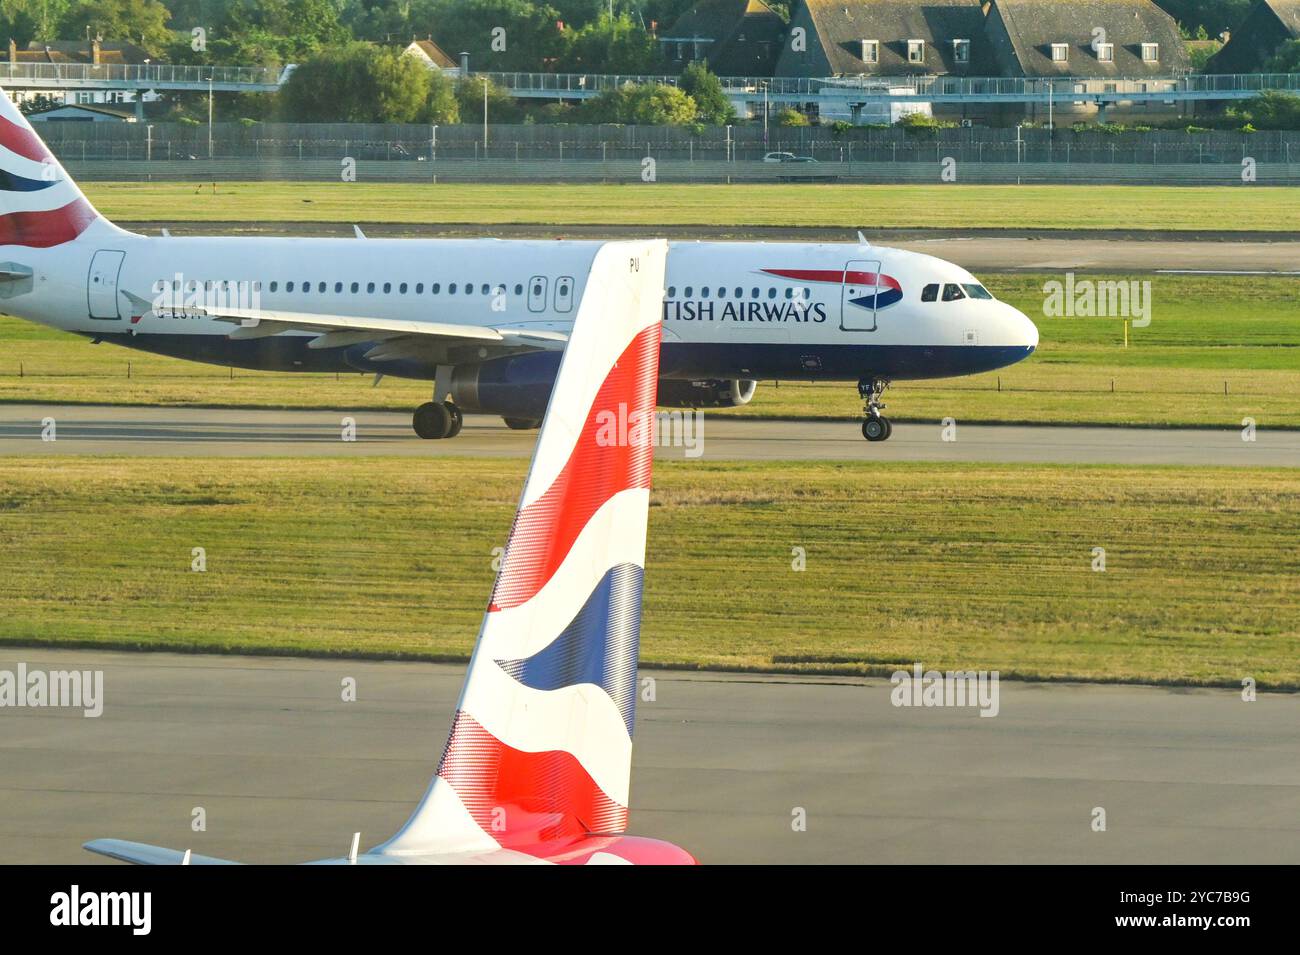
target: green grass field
<point>1166,208</point>
<point>1206,334</point>
<point>969,566</point>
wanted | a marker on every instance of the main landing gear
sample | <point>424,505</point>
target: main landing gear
<point>437,419</point>
<point>875,427</point>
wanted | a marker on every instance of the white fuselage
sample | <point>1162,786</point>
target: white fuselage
<point>737,309</point>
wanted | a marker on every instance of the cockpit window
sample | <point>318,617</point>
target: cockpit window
<point>978,291</point>
<point>952,292</point>
<point>930,293</point>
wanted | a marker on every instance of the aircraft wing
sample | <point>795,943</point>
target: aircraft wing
<point>398,337</point>
<point>143,854</point>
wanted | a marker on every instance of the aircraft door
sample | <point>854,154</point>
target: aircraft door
<point>858,296</point>
<point>537,293</point>
<point>101,284</point>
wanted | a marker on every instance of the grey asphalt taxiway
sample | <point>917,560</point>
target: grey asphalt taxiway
<point>724,765</point>
<point>83,429</point>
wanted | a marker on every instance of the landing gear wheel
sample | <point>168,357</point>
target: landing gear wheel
<point>432,420</point>
<point>457,420</point>
<point>521,424</point>
<point>876,427</point>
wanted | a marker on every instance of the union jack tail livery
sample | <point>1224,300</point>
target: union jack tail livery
<point>40,206</point>
<point>540,753</point>
<point>539,759</point>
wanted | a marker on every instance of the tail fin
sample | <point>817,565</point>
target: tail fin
<point>540,751</point>
<point>40,205</point>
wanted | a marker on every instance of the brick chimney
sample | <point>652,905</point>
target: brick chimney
<point>94,51</point>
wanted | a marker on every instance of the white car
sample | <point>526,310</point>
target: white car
<point>779,157</point>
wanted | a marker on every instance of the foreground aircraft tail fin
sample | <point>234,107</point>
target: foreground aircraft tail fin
<point>40,205</point>
<point>540,748</point>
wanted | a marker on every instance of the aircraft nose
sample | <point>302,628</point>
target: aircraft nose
<point>1020,331</point>
<point>1030,332</point>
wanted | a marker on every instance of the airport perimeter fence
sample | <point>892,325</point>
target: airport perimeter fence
<point>594,153</point>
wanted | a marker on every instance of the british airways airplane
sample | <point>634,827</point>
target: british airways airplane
<point>486,320</point>
<point>538,763</point>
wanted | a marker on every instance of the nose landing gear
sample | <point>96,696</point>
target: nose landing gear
<point>437,419</point>
<point>875,427</point>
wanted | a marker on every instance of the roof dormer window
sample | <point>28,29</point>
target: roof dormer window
<point>961,51</point>
<point>870,52</point>
<point>1150,52</point>
<point>916,51</point>
<point>1105,52</point>
<point>1060,53</point>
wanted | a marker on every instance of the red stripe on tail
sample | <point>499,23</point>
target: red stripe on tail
<point>523,799</point>
<point>22,141</point>
<point>545,530</point>
<point>40,230</point>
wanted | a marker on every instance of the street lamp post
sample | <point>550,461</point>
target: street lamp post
<point>765,87</point>
<point>209,115</point>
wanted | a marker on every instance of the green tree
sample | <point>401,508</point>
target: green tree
<point>1286,59</point>
<point>706,89</point>
<point>27,20</point>
<point>501,106</point>
<point>497,34</point>
<point>649,104</point>
<point>358,83</point>
<point>139,21</point>
<point>791,117</point>
<point>618,45</point>
<point>442,106</point>
<point>1272,109</point>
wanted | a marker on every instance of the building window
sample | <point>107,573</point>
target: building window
<point>961,51</point>
<point>915,51</point>
<point>1150,52</point>
<point>1105,52</point>
<point>871,52</point>
<point>1060,52</point>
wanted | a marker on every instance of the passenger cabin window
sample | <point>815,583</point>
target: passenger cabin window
<point>952,292</point>
<point>930,293</point>
<point>356,287</point>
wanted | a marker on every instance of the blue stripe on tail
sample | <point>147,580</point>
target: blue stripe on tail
<point>599,645</point>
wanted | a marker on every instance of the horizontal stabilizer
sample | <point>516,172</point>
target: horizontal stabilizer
<point>141,853</point>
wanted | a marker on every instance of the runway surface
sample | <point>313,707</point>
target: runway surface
<point>979,250</point>
<point>285,771</point>
<point>224,432</point>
